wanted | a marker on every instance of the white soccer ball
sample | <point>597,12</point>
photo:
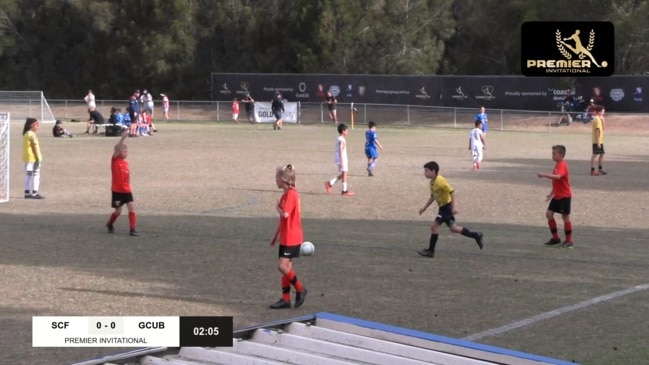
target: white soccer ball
<point>307,248</point>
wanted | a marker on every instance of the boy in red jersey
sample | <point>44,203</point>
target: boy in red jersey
<point>121,187</point>
<point>235,110</point>
<point>291,237</point>
<point>559,197</point>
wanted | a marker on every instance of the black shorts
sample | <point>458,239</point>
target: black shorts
<point>561,206</point>
<point>120,199</point>
<point>597,150</point>
<point>445,215</point>
<point>289,252</point>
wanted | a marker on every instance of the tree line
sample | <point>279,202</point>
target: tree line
<point>65,47</point>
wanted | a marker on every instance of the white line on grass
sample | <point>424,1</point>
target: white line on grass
<point>554,313</point>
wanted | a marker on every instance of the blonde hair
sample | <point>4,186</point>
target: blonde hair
<point>286,173</point>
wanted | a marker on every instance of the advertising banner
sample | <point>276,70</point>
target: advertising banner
<point>264,113</point>
<point>616,93</point>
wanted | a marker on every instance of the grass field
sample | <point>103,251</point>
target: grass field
<point>205,197</point>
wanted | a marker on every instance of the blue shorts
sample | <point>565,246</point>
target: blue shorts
<point>278,115</point>
<point>371,152</point>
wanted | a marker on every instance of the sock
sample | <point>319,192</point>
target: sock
<point>344,186</point>
<point>36,182</point>
<point>567,227</point>
<point>432,242</point>
<point>113,218</point>
<point>372,165</point>
<point>592,169</point>
<point>600,167</point>
<point>132,220</point>
<point>292,278</point>
<point>286,289</point>
<point>468,233</point>
<point>553,228</point>
<point>28,192</point>
<point>333,181</point>
<point>28,182</point>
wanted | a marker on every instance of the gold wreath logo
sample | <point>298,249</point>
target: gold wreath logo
<point>578,49</point>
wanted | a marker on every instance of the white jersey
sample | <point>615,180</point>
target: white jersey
<point>90,100</point>
<point>341,156</point>
<point>476,136</point>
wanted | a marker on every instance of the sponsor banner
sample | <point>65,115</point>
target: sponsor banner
<point>264,113</point>
<point>501,92</point>
<point>616,93</point>
<point>378,89</point>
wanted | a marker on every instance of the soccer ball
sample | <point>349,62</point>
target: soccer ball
<point>307,248</point>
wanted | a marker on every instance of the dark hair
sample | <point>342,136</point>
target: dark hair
<point>28,124</point>
<point>478,122</point>
<point>371,124</point>
<point>433,166</point>
<point>342,127</point>
<point>560,148</point>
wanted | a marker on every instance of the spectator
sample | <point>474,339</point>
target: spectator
<point>165,106</point>
<point>95,119</point>
<point>250,107</point>
<point>60,132</point>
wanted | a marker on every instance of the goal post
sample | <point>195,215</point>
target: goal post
<point>24,104</point>
<point>5,130</point>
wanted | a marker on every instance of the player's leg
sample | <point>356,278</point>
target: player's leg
<point>567,228</point>
<point>480,154</point>
<point>600,161</point>
<point>334,116</point>
<point>132,218</point>
<point>552,223</point>
<point>29,177</point>
<point>36,181</point>
<point>466,232</point>
<point>432,242</point>
<point>343,177</point>
<point>113,217</point>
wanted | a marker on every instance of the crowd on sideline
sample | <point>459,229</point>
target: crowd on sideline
<point>137,119</point>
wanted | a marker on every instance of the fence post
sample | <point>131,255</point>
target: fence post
<point>408,115</point>
<point>549,122</point>
<point>455,118</point>
<point>177,110</point>
<point>502,120</point>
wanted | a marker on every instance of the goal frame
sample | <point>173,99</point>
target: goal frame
<point>5,148</point>
<point>25,104</point>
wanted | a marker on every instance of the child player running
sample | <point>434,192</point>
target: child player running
<point>341,161</point>
<point>121,187</point>
<point>559,197</point>
<point>371,141</point>
<point>291,237</point>
<point>442,192</point>
<point>477,144</point>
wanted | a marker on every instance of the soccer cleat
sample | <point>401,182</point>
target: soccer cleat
<point>567,244</point>
<point>328,187</point>
<point>426,253</point>
<point>274,126</point>
<point>28,196</point>
<point>553,242</point>
<point>280,304</point>
<point>478,165</point>
<point>602,172</point>
<point>37,196</point>
<point>369,172</point>
<point>347,193</point>
<point>110,228</point>
<point>133,233</point>
<point>594,173</point>
<point>475,166</point>
<point>299,297</point>
<point>478,239</point>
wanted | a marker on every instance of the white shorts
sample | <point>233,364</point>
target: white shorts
<point>343,167</point>
<point>32,166</point>
<point>235,116</point>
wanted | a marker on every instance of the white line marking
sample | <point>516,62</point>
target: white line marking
<point>554,313</point>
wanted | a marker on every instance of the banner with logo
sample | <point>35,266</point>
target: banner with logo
<point>617,93</point>
<point>264,113</point>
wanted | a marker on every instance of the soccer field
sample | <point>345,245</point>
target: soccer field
<point>205,197</point>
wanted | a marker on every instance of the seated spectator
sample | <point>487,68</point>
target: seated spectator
<point>96,119</point>
<point>60,132</point>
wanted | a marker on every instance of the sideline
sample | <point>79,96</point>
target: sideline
<point>554,313</point>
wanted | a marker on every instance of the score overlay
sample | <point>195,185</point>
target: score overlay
<point>76,331</point>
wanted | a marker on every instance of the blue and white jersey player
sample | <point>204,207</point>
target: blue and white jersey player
<point>371,142</point>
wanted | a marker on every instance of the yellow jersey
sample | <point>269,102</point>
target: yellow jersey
<point>30,139</point>
<point>441,190</point>
<point>598,124</point>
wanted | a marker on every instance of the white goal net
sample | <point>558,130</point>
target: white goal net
<point>5,128</point>
<point>24,104</point>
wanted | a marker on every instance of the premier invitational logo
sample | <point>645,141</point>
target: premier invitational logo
<point>487,93</point>
<point>422,93</point>
<point>567,49</point>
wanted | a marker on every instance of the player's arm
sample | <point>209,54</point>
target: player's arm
<point>469,143</point>
<point>548,176</point>
<point>598,132</point>
<point>119,144</point>
<point>428,203</point>
<point>376,140</point>
<point>482,138</point>
<point>453,202</point>
<point>35,149</point>
<point>341,149</point>
<point>274,239</point>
